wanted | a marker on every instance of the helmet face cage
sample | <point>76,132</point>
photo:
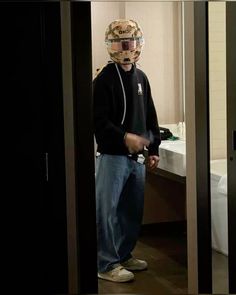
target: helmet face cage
<point>124,40</point>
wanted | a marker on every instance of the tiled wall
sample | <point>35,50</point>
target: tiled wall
<point>217,79</point>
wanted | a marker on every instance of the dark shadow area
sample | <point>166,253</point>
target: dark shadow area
<point>170,238</point>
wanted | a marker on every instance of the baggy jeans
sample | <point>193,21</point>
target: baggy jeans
<point>119,208</point>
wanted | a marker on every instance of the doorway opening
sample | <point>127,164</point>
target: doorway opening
<point>163,237</point>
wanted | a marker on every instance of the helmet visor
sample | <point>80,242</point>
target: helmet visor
<point>124,44</point>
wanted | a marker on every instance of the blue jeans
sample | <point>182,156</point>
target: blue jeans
<point>119,208</point>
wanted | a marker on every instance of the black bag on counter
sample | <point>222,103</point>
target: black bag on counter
<point>165,133</point>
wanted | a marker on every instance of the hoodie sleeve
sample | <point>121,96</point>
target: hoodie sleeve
<point>104,129</point>
<point>152,124</point>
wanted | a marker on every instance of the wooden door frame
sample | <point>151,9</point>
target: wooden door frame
<point>231,139</point>
<point>202,133</point>
<point>197,147</point>
<point>79,146</point>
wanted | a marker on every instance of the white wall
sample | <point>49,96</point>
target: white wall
<point>102,14</point>
<point>217,79</point>
<point>161,58</point>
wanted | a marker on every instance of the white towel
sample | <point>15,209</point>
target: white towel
<point>222,185</point>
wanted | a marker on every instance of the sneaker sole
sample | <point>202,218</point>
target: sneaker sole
<point>115,280</point>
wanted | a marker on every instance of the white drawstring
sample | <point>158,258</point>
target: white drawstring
<point>124,95</point>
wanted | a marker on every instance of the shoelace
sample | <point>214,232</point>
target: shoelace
<point>117,269</point>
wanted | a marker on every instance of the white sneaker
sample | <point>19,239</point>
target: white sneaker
<point>134,264</point>
<point>118,274</point>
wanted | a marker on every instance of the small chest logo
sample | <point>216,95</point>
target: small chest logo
<point>140,91</point>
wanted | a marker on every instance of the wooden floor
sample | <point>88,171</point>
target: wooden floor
<point>166,253</point>
<point>219,273</point>
<point>165,249</point>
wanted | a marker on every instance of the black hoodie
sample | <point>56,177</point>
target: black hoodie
<point>123,103</point>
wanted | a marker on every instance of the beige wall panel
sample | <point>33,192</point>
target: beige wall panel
<point>161,58</point>
<point>217,79</point>
<point>102,13</point>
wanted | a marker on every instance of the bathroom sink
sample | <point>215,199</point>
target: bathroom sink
<point>173,156</point>
<point>178,146</point>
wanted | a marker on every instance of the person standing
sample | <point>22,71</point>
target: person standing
<point>125,124</point>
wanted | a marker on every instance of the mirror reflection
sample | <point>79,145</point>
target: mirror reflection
<point>161,244</point>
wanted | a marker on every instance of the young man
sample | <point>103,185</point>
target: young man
<point>125,124</point>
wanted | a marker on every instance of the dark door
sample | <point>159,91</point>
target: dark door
<point>31,86</point>
<point>202,147</point>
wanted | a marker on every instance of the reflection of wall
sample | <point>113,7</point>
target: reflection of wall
<point>161,58</point>
<point>217,70</point>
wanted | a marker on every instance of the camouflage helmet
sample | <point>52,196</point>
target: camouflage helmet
<point>124,40</point>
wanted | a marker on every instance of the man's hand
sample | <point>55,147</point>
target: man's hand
<point>135,143</point>
<point>152,162</point>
